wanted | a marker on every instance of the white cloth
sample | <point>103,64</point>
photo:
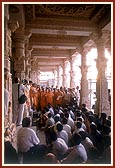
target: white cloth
<point>63,135</point>
<point>87,143</point>
<point>18,109</point>
<point>76,152</point>
<point>67,128</point>
<point>70,122</point>
<point>26,138</point>
<point>22,89</point>
<point>59,147</point>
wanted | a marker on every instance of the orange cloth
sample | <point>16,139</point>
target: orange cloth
<point>35,97</point>
<point>43,102</point>
<point>31,95</point>
<point>49,98</point>
<point>58,97</point>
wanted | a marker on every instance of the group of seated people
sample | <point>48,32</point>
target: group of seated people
<point>73,135</point>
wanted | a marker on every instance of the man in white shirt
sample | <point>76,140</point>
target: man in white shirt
<point>28,143</point>
<point>61,133</point>
<point>67,128</point>
<point>18,89</point>
<point>59,147</point>
<point>78,153</point>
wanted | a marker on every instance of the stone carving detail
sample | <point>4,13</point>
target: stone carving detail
<point>79,11</point>
<point>82,11</point>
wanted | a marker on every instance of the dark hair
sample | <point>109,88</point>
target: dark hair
<point>79,119</point>
<point>108,122</point>
<point>49,115</point>
<point>16,80</point>
<point>78,124</point>
<point>59,127</point>
<point>93,127</point>
<point>26,122</point>
<point>103,115</point>
<point>77,138</point>
<point>64,120</point>
<point>67,115</point>
<point>53,136</point>
<point>83,134</point>
<point>83,105</point>
<point>56,119</point>
<point>106,130</point>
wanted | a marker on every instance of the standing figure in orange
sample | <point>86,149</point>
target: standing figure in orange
<point>58,97</point>
<point>35,96</point>
<point>55,96</point>
<point>31,93</point>
<point>49,97</point>
<point>38,98</point>
<point>43,102</point>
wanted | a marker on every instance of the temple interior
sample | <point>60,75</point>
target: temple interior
<point>51,48</point>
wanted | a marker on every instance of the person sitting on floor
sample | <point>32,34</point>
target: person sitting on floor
<point>58,146</point>
<point>61,133</point>
<point>29,144</point>
<point>77,153</point>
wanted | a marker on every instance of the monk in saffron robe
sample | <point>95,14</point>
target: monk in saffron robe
<point>43,102</point>
<point>49,97</point>
<point>59,97</point>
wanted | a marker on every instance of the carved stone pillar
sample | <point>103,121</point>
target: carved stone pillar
<point>66,74</point>
<point>72,74</point>
<point>20,68</point>
<point>55,78</point>
<point>7,39</point>
<point>102,103</point>
<point>32,76</point>
<point>28,51</point>
<point>19,53</point>
<point>38,77</point>
<point>9,28</point>
<point>27,63</point>
<point>84,95</point>
<point>59,76</point>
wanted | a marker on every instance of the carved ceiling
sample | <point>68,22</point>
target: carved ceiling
<point>59,30</point>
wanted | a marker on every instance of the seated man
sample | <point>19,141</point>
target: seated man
<point>28,143</point>
<point>58,146</point>
<point>77,153</point>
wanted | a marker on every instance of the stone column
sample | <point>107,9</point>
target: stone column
<point>28,51</point>
<point>27,64</point>
<point>84,95</point>
<point>38,76</point>
<point>55,78</point>
<point>102,103</point>
<point>72,73</point>
<point>59,76</point>
<point>9,28</point>
<point>19,54</point>
<point>65,75</point>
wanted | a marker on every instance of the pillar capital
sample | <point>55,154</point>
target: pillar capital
<point>100,37</point>
<point>13,25</point>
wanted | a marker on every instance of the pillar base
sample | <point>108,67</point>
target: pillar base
<point>104,107</point>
